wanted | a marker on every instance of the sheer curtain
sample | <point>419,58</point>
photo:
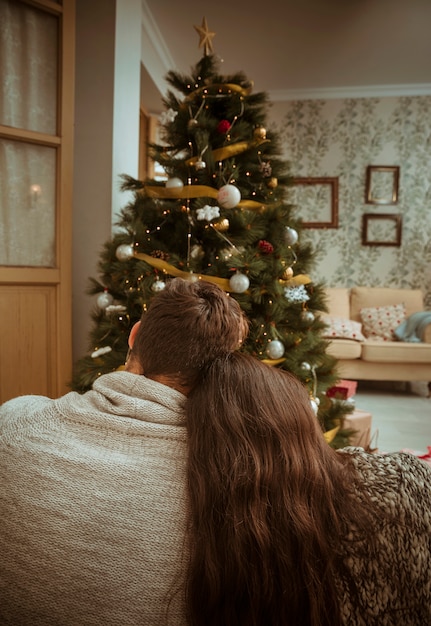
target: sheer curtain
<point>28,101</point>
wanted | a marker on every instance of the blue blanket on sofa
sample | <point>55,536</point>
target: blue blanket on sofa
<point>413,328</point>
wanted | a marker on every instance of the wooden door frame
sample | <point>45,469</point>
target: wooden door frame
<point>59,277</point>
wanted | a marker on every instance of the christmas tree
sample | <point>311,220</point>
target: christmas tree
<point>220,215</point>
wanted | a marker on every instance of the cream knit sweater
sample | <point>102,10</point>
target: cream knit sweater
<point>92,512</point>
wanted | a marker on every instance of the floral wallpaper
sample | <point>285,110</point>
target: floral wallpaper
<point>340,138</point>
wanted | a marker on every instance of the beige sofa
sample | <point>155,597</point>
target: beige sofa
<point>368,359</point>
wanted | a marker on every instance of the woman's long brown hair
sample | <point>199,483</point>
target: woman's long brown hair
<point>267,497</point>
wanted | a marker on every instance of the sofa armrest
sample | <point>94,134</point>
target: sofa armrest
<point>427,334</point>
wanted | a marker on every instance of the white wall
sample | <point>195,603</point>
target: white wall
<point>108,50</point>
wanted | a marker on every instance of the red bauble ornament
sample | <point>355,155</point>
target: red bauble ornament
<point>266,247</point>
<point>223,126</point>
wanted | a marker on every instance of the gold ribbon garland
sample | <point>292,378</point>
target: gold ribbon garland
<point>330,434</point>
<point>220,154</point>
<point>167,268</point>
<point>195,191</point>
<point>220,89</point>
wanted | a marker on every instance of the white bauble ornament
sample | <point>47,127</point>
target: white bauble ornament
<point>158,285</point>
<point>290,236</point>
<point>104,299</point>
<point>200,165</point>
<point>275,349</point>
<point>228,196</point>
<point>124,252</point>
<point>174,183</point>
<point>306,366</point>
<point>314,405</point>
<point>239,283</point>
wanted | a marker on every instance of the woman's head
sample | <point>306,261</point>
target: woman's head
<point>187,325</point>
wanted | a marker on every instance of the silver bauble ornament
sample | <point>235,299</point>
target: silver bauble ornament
<point>200,165</point>
<point>290,236</point>
<point>306,367</point>
<point>124,252</point>
<point>307,317</point>
<point>104,299</point>
<point>239,283</point>
<point>275,349</point>
<point>158,285</point>
<point>174,183</point>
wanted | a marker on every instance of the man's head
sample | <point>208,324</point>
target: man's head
<point>187,325</point>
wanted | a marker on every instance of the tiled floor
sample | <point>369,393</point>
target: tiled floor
<point>401,414</point>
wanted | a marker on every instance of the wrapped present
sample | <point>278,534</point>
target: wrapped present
<point>359,422</point>
<point>343,390</point>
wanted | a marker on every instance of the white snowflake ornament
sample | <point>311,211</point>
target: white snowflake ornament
<point>208,212</point>
<point>167,117</point>
<point>296,294</point>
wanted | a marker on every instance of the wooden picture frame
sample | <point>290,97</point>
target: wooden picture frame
<point>317,200</point>
<point>381,229</point>
<point>382,183</point>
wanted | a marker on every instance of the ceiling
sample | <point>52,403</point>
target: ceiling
<point>296,49</point>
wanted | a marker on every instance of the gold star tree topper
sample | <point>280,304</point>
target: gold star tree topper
<point>206,37</point>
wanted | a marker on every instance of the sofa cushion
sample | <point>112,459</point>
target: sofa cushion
<point>362,297</point>
<point>379,323</point>
<point>344,349</point>
<point>396,352</point>
<point>342,328</point>
<point>338,301</point>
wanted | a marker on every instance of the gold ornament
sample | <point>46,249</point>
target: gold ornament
<point>273,182</point>
<point>259,132</point>
<point>222,225</point>
<point>287,273</point>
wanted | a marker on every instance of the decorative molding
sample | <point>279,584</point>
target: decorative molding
<point>332,93</point>
<point>155,54</point>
